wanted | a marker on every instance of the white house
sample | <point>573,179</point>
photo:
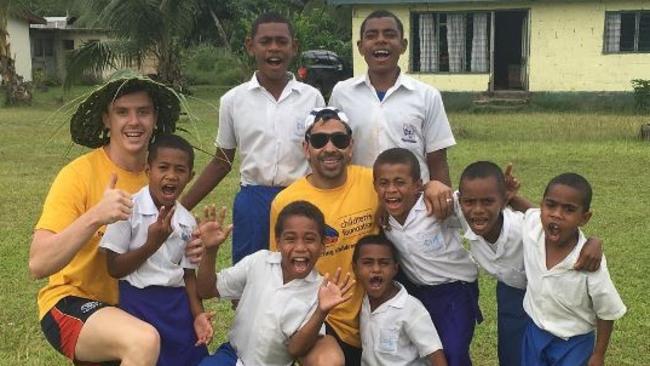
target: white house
<point>19,42</point>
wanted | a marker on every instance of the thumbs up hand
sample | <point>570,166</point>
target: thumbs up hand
<point>116,204</point>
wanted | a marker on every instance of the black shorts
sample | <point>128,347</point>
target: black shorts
<point>352,354</point>
<point>62,324</point>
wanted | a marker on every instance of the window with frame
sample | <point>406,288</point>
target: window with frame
<point>68,44</point>
<point>627,31</point>
<point>451,42</point>
<point>43,47</point>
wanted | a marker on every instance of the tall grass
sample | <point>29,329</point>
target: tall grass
<point>541,145</point>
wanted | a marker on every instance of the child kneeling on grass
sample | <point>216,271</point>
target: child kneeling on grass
<point>146,252</point>
<point>283,301</point>
<point>565,305</point>
<point>396,328</point>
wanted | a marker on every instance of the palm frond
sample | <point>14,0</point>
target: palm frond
<point>96,56</point>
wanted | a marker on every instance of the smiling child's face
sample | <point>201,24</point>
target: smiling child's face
<point>375,269</point>
<point>381,44</point>
<point>168,174</point>
<point>481,203</point>
<point>300,245</point>
<point>396,189</point>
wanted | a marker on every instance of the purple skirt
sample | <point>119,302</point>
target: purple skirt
<point>168,310</point>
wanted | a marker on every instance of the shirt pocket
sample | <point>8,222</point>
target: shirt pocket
<point>175,246</point>
<point>512,277</point>
<point>295,312</point>
<point>411,132</point>
<point>388,340</point>
<point>569,290</point>
<point>297,133</point>
<point>431,243</point>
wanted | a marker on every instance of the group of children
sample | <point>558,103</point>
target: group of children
<point>547,310</point>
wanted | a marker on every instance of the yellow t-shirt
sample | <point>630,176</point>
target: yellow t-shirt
<point>79,186</point>
<point>349,214</point>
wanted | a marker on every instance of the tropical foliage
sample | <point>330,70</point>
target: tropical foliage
<point>139,29</point>
<point>163,30</point>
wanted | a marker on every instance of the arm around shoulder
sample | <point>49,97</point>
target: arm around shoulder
<point>438,166</point>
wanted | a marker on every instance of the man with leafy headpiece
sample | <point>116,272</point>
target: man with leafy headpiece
<point>77,307</point>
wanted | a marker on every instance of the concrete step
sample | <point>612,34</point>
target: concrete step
<point>503,98</point>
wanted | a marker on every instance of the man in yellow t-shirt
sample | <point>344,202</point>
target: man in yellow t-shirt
<point>345,195</point>
<point>76,307</point>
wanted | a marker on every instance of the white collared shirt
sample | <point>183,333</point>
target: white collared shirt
<point>269,311</point>
<point>503,259</point>
<point>398,332</point>
<point>411,116</point>
<point>267,132</point>
<point>430,252</point>
<point>165,266</point>
<point>561,300</point>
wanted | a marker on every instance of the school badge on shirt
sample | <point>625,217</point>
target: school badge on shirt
<point>409,133</point>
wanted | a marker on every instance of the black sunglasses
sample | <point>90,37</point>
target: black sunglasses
<point>341,140</point>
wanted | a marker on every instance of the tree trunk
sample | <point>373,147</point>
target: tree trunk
<point>220,31</point>
<point>169,68</point>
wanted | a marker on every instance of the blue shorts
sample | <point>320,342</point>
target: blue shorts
<point>455,311</point>
<point>168,310</point>
<point>225,355</point>
<point>512,321</point>
<point>251,220</point>
<point>541,348</point>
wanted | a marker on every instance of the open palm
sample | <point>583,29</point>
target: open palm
<point>212,231</point>
<point>334,291</point>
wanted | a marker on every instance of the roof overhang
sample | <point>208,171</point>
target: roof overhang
<point>28,16</point>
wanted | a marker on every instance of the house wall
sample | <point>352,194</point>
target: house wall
<point>566,50</point>
<point>566,43</point>
<point>54,66</point>
<point>18,30</point>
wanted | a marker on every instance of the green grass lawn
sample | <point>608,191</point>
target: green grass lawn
<point>603,147</point>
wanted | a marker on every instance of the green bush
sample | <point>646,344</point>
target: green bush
<point>209,65</point>
<point>318,28</point>
<point>641,94</point>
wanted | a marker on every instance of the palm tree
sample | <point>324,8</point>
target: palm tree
<point>138,29</point>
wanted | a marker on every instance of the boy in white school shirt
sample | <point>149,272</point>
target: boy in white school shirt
<point>396,329</point>
<point>263,119</point>
<point>146,252</point>
<point>494,234</point>
<point>283,301</point>
<point>565,305</point>
<point>390,109</point>
<point>431,255</point>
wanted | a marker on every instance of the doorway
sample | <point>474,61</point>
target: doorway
<point>510,69</point>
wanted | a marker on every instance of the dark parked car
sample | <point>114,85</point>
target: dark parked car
<point>322,69</point>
